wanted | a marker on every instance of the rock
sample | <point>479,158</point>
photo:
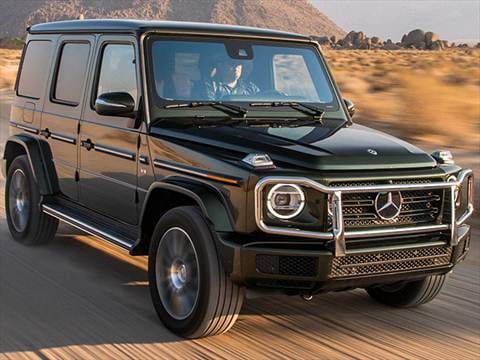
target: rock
<point>322,40</point>
<point>430,37</point>
<point>421,45</point>
<point>414,37</point>
<point>366,44</point>
<point>349,38</point>
<point>333,39</point>
<point>376,40</point>
<point>437,45</point>
<point>389,45</point>
<point>478,45</point>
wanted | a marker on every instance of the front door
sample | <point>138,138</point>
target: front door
<point>108,149</point>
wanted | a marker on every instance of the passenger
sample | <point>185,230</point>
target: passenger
<point>177,87</point>
<point>227,80</point>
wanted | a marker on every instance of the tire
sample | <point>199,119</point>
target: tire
<point>26,221</point>
<point>191,292</point>
<point>408,294</point>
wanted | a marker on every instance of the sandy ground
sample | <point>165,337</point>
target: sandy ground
<point>78,297</point>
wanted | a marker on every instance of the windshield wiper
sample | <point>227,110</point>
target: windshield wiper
<point>315,112</point>
<point>200,122</point>
<point>229,109</point>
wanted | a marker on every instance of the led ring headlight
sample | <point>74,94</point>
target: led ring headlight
<point>285,201</point>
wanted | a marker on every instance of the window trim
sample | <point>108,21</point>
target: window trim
<point>53,83</point>
<point>98,67</point>
<point>20,70</point>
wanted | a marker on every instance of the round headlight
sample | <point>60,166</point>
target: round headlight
<point>285,201</point>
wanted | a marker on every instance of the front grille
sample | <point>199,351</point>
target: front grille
<point>418,207</point>
<point>390,262</point>
<point>287,265</point>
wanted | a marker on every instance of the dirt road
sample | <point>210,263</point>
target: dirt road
<point>81,298</point>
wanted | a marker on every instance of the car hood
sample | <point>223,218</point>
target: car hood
<point>353,147</point>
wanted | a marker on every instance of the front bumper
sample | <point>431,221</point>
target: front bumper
<point>318,269</point>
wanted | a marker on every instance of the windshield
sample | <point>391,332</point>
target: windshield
<point>185,70</point>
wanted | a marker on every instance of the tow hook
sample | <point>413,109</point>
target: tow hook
<point>307,297</point>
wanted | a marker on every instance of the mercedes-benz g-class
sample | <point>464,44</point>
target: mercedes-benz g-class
<point>228,156</point>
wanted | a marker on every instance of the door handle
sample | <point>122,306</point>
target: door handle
<point>87,144</point>
<point>45,133</point>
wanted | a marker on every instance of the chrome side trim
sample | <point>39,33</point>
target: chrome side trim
<point>338,234</point>
<point>211,176</point>
<point>60,137</point>
<point>110,151</point>
<point>85,227</point>
<point>143,159</point>
<point>27,128</point>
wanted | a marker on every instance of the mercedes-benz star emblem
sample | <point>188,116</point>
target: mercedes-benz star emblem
<point>388,205</point>
<point>372,152</point>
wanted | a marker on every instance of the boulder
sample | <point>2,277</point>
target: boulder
<point>333,39</point>
<point>349,38</point>
<point>414,37</point>
<point>322,40</point>
<point>437,45</point>
<point>389,45</point>
<point>430,37</point>
<point>376,40</point>
<point>421,45</point>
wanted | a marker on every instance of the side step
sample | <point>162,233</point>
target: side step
<point>89,224</point>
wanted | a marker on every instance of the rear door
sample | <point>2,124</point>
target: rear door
<point>108,150</point>
<point>63,107</point>
<point>32,83</point>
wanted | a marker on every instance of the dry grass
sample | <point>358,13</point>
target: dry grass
<point>8,67</point>
<point>427,97</point>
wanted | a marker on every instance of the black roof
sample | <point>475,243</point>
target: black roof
<point>139,26</point>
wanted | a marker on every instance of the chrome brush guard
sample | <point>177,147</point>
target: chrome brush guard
<point>338,233</point>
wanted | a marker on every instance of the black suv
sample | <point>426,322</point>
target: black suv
<point>228,156</point>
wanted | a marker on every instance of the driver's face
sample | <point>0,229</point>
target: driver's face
<point>231,72</point>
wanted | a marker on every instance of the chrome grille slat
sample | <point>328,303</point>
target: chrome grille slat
<point>419,206</point>
<point>390,261</point>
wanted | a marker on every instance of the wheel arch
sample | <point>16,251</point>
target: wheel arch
<point>39,157</point>
<point>173,192</point>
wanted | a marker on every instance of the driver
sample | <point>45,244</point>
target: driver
<point>227,80</point>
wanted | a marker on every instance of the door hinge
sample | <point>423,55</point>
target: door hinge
<point>77,176</point>
<point>78,127</point>
<point>136,197</point>
<point>138,141</point>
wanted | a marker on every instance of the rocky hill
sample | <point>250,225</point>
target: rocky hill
<point>289,15</point>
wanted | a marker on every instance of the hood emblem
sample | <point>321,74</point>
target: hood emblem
<point>388,205</point>
<point>372,152</point>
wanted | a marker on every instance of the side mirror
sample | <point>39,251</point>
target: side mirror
<point>350,107</point>
<point>115,104</point>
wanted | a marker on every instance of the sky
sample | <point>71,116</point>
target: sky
<point>452,20</point>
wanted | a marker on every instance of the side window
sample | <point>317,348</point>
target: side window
<point>71,73</point>
<point>117,71</point>
<point>35,69</point>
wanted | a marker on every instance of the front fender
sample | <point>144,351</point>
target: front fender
<point>177,191</point>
